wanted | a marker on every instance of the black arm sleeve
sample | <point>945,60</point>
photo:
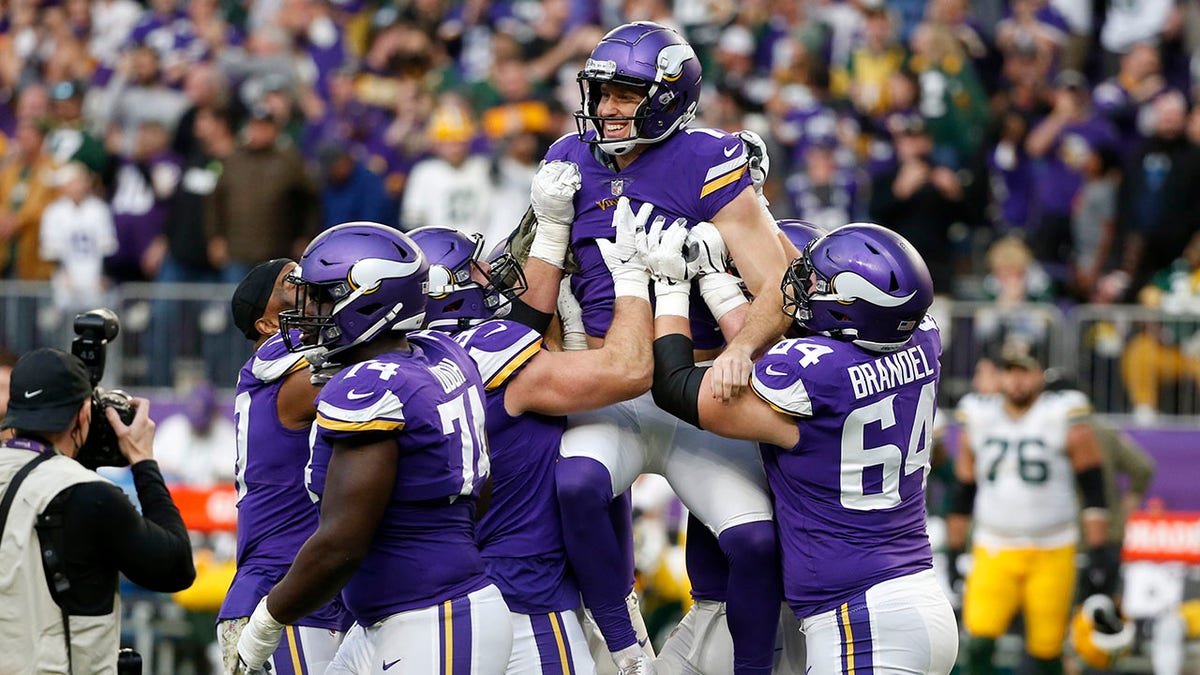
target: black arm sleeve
<point>1091,487</point>
<point>528,316</point>
<point>153,549</point>
<point>676,387</point>
<point>963,501</point>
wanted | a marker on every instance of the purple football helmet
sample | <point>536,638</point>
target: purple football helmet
<point>799,232</point>
<point>861,283</point>
<point>355,282</point>
<point>456,300</point>
<point>649,56</point>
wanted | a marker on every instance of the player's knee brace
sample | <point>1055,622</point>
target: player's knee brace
<point>980,651</point>
<point>582,482</point>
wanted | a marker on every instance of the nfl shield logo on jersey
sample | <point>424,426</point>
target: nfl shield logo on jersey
<point>617,187</point>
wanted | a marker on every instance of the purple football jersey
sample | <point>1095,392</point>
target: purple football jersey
<point>430,401</point>
<point>520,536</point>
<point>850,496</point>
<point>693,174</point>
<point>275,514</point>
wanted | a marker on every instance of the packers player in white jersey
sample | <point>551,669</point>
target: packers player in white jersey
<point>1022,452</point>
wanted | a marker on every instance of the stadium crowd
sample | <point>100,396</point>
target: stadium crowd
<point>1032,150</point>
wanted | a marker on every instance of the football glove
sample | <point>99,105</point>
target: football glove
<point>1102,572</point>
<point>624,256</point>
<point>759,161</point>
<point>668,267</point>
<point>552,198</point>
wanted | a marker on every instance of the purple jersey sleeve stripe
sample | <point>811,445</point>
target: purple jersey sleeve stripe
<point>718,183</point>
<point>514,364</point>
<point>372,425</point>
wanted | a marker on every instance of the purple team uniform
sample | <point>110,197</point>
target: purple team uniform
<point>520,536</point>
<point>850,496</point>
<point>275,514</point>
<point>430,400</point>
<point>692,174</point>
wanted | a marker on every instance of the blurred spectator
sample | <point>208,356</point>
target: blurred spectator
<point>186,240</point>
<point>1093,221</point>
<point>205,87</point>
<point>144,186</point>
<point>920,199</point>
<point>736,71</point>
<point>77,234</point>
<point>822,193</point>
<point>452,188</point>
<point>1129,23</point>
<point>952,99</point>
<point>1078,15</point>
<point>512,173</point>
<point>1011,173</point>
<point>1126,99</point>
<point>864,79</point>
<point>1166,352</point>
<point>196,447</point>
<point>1151,240</point>
<point>112,22</point>
<point>1014,277</point>
<point>136,94</point>
<point>70,138</point>
<point>1059,142</point>
<point>1025,30</point>
<point>350,191</point>
<point>24,194</point>
<point>264,205</point>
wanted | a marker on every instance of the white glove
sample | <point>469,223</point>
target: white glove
<point>321,376</point>
<point>259,639</point>
<point>570,317</point>
<point>664,256</point>
<point>552,196</point>
<point>624,256</point>
<point>760,161</point>
<point>705,250</point>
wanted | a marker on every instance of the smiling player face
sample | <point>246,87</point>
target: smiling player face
<point>617,101</point>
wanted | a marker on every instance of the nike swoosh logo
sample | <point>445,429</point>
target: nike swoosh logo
<point>355,396</point>
<point>643,641</point>
<point>730,150</point>
<point>31,394</point>
<point>776,373</point>
<point>387,665</point>
<point>498,328</point>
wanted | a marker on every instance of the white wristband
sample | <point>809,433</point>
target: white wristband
<point>672,299</point>
<point>550,242</point>
<point>632,286</point>
<point>722,293</point>
<point>260,637</point>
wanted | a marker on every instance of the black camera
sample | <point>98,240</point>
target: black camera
<point>93,331</point>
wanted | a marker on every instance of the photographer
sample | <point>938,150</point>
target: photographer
<point>67,532</point>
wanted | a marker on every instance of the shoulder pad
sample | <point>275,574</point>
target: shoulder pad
<point>777,380</point>
<point>499,348</point>
<point>363,398</point>
<point>1074,404</point>
<point>274,362</point>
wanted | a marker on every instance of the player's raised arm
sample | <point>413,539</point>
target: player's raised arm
<point>750,234</point>
<point>562,383</point>
<point>677,381</point>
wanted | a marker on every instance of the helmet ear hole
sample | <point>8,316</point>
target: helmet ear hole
<point>370,309</point>
<point>895,283</point>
